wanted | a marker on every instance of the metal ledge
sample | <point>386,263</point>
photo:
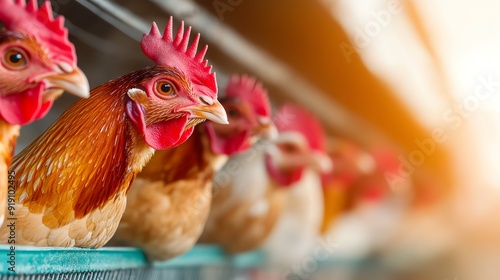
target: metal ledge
<point>50,260</point>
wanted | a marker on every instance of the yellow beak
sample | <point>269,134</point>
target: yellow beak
<point>74,82</point>
<point>267,129</point>
<point>214,112</point>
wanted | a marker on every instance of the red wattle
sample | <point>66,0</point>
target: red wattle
<point>25,107</point>
<point>44,109</point>
<point>161,135</point>
<point>185,135</point>
<point>284,179</point>
<point>228,145</point>
<point>167,134</point>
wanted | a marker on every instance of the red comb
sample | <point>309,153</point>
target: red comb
<point>174,52</point>
<point>39,23</point>
<point>249,89</point>
<point>294,118</point>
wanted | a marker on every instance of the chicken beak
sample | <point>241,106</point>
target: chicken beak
<point>321,162</point>
<point>267,129</point>
<point>74,82</point>
<point>210,110</point>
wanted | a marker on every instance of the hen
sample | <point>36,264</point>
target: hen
<point>351,162</point>
<point>375,213</point>
<point>73,180</point>
<point>37,64</point>
<point>258,191</point>
<point>169,202</point>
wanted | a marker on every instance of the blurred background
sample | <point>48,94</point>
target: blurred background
<point>412,87</point>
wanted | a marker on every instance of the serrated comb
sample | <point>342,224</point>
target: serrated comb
<point>39,23</point>
<point>249,89</point>
<point>175,52</point>
<point>291,117</point>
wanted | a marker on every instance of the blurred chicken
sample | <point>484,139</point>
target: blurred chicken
<point>350,163</point>
<point>168,203</point>
<point>37,64</point>
<point>272,188</point>
<point>72,181</point>
<point>296,163</point>
<point>377,208</point>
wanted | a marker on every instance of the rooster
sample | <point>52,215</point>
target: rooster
<point>73,180</point>
<point>37,64</point>
<point>169,202</point>
<point>258,191</point>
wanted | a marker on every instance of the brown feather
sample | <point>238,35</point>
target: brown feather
<point>169,202</point>
<point>8,137</point>
<point>71,172</point>
<point>236,230</point>
<point>183,162</point>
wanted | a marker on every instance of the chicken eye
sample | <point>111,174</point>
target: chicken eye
<point>14,59</point>
<point>233,112</point>
<point>165,88</point>
<point>289,148</point>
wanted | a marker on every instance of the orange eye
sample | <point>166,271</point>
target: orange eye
<point>14,59</point>
<point>289,148</point>
<point>232,111</point>
<point>165,88</point>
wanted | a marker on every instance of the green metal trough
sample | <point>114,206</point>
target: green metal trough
<point>202,262</point>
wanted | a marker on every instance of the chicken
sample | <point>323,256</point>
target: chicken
<point>37,64</point>
<point>257,192</point>
<point>376,211</point>
<point>169,202</point>
<point>350,162</point>
<point>72,181</point>
<point>296,164</point>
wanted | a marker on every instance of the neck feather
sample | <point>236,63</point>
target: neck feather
<point>8,137</point>
<point>86,158</point>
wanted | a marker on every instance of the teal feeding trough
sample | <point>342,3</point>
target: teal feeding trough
<point>24,262</point>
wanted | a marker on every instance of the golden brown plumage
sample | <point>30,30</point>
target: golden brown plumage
<point>8,137</point>
<point>77,174</point>
<point>167,204</point>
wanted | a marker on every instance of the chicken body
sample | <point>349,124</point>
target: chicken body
<point>167,203</point>
<point>246,204</point>
<point>296,232</point>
